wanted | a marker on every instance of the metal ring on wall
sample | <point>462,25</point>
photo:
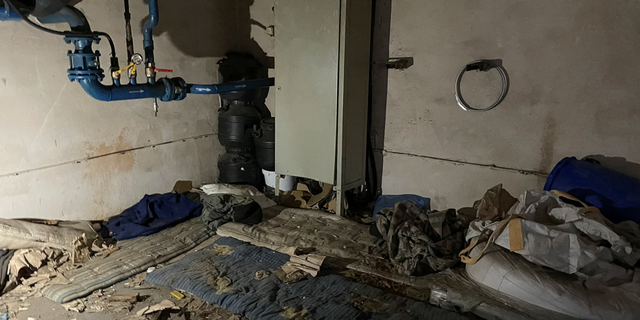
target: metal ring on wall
<point>482,65</point>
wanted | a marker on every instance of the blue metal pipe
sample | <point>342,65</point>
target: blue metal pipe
<point>147,31</point>
<point>127,92</point>
<point>85,68</point>
<point>229,87</point>
<point>164,90</point>
<point>85,63</point>
<point>74,17</point>
<point>6,14</point>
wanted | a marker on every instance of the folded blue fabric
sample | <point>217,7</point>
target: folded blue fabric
<point>389,201</point>
<point>153,213</point>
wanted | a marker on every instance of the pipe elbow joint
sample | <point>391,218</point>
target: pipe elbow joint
<point>151,23</point>
<point>165,89</point>
<point>96,90</point>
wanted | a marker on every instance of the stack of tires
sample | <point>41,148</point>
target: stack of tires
<point>238,123</point>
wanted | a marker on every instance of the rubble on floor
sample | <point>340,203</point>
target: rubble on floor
<point>543,255</point>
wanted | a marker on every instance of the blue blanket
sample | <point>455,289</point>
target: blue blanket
<point>323,297</point>
<point>153,213</point>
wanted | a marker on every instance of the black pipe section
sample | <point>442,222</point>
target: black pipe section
<point>127,20</point>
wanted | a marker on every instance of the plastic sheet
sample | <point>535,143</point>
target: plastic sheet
<point>566,238</point>
<point>455,290</point>
<point>511,277</point>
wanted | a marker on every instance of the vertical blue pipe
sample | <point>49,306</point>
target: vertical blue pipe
<point>147,33</point>
<point>6,14</point>
<point>147,30</point>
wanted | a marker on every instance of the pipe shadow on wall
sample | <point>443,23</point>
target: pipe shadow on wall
<point>207,28</point>
<point>212,28</point>
<point>379,80</point>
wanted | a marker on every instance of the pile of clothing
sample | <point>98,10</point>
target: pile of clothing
<point>36,254</point>
<point>420,241</point>
<point>216,204</point>
<point>545,248</point>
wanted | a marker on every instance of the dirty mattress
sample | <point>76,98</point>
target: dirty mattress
<point>135,255</point>
<point>328,234</point>
<point>240,278</point>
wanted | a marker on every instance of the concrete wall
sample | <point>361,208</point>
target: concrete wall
<point>64,155</point>
<point>574,83</point>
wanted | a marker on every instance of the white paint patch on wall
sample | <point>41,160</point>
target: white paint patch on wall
<point>573,89</point>
<point>46,122</point>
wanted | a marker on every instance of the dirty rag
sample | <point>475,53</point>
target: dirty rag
<point>389,201</point>
<point>152,214</point>
<point>245,191</point>
<point>420,241</point>
<point>495,204</point>
<point>221,208</point>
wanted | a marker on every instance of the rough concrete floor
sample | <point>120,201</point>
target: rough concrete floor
<point>43,308</point>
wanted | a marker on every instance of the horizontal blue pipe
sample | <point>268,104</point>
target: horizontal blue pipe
<point>98,91</point>
<point>127,92</point>
<point>229,87</point>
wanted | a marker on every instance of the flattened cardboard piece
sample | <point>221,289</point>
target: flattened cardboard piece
<point>516,240</point>
<point>326,189</point>
<point>182,186</point>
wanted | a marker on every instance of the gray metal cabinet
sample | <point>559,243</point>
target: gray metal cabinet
<point>322,81</point>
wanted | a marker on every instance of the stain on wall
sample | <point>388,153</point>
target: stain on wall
<point>549,140</point>
<point>64,155</point>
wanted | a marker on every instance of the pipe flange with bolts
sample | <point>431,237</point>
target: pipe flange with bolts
<point>483,65</point>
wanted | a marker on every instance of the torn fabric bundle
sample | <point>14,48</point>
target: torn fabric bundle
<point>418,241</point>
<point>222,208</point>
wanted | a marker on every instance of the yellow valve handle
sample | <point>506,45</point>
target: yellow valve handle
<point>131,65</point>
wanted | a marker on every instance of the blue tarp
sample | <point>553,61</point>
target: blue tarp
<point>153,213</point>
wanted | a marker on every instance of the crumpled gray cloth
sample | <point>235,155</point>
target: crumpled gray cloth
<point>218,208</point>
<point>419,241</point>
